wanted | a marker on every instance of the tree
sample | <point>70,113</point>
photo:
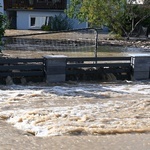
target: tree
<point>139,15</point>
<point>57,23</point>
<point>120,16</point>
<point>3,26</point>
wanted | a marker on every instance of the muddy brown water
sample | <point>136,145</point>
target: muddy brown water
<point>106,48</point>
<point>12,138</point>
<point>126,105</point>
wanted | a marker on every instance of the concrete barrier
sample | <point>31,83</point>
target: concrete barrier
<point>55,68</point>
<point>141,67</point>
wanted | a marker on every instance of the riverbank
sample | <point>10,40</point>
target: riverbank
<point>103,38</point>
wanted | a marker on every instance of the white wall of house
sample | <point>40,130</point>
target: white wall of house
<point>25,19</point>
<point>2,6</point>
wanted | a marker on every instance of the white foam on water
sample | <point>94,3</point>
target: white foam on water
<point>77,108</point>
<point>140,89</point>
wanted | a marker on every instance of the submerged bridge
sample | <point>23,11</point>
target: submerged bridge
<point>59,68</point>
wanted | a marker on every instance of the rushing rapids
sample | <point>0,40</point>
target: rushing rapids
<point>77,108</point>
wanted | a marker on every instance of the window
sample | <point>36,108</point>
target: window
<point>32,21</point>
<point>36,22</point>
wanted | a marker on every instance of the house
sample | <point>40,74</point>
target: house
<point>1,8</point>
<point>32,14</point>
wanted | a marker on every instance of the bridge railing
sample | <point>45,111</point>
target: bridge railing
<point>17,68</point>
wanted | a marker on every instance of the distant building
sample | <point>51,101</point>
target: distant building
<point>1,6</point>
<point>32,14</point>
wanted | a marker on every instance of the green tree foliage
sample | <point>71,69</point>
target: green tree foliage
<point>3,26</point>
<point>120,16</point>
<point>58,23</point>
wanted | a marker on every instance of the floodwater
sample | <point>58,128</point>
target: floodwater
<point>122,51</point>
<point>74,44</point>
<point>77,108</point>
<point>75,116</point>
<point>102,51</point>
<point>71,115</point>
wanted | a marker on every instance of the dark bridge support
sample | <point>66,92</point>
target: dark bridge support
<point>141,67</point>
<point>55,68</point>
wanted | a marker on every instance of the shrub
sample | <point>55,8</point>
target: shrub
<point>46,27</point>
<point>58,23</point>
